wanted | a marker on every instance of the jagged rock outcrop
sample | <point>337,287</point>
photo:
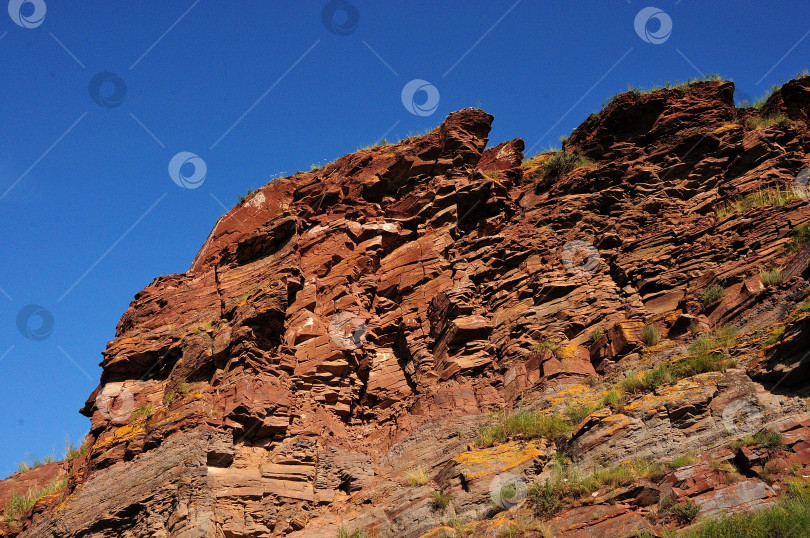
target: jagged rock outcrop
<point>343,326</point>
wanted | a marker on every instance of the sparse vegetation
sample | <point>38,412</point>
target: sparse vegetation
<point>757,123</point>
<point>597,334</point>
<point>568,483</point>
<point>682,461</point>
<point>799,237</point>
<point>524,424</point>
<point>771,469</point>
<point>439,500</point>
<point>614,398</point>
<point>244,198</point>
<point>772,338</point>
<point>19,504</point>
<point>71,452</point>
<point>169,398</point>
<point>767,438</point>
<point>772,277</point>
<point>710,295</point>
<point>723,337</point>
<point>417,477</point>
<point>703,359</point>
<point>561,162</point>
<point>769,197</point>
<point>145,411</point>
<point>727,470</point>
<point>551,345</point>
<point>789,515</point>
<point>356,533</point>
<point>685,512</point>
<point>650,335</point>
<point>183,389</point>
<point>677,85</point>
<point>33,462</point>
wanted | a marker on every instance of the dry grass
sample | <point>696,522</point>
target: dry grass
<point>19,504</point>
<point>770,197</point>
<point>772,277</point>
<point>417,477</point>
<point>769,121</point>
<point>650,335</point>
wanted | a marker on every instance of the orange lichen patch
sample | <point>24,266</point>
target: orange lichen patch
<point>501,458</point>
<point>660,346</point>
<point>136,428</point>
<point>574,395</point>
<point>615,423</point>
<point>727,127</point>
<point>124,341</point>
<point>599,414</point>
<point>119,435</point>
<point>566,351</point>
<point>438,532</point>
<point>680,391</point>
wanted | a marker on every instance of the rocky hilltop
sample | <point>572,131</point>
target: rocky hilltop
<point>433,338</point>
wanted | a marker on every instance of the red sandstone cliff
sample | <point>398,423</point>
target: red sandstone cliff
<point>344,328</point>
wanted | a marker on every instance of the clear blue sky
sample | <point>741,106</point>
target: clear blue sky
<point>89,214</point>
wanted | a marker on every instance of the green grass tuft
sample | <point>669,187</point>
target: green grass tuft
<point>525,424</point>
<point>766,438</point>
<point>770,197</point>
<point>356,533</point>
<point>685,512</point>
<point>439,500</point>
<point>551,345</point>
<point>710,295</point>
<point>19,504</point>
<point>772,277</point>
<point>768,121</point>
<point>789,517</point>
<point>650,335</point>
<point>562,162</point>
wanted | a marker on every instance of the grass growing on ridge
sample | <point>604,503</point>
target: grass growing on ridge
<point>773,196</point>
<point>790,516</point>
<point>526,424</point>
<point>33,462</point>
<point>568,482</point>
<point>551,345</point>
<point>710,295</point>
<point>356,533</point>
<point>799,237</point>
<point>562,162</point>
<point>768,121</point>
<point>19,504</point>
<point>772,277</point>
<point>763,437</point>
<point>650,335</point>
<point>417,477</point>
<point>704,357</point>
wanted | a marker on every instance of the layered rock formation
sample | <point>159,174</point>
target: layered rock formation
<point>343,327</point>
